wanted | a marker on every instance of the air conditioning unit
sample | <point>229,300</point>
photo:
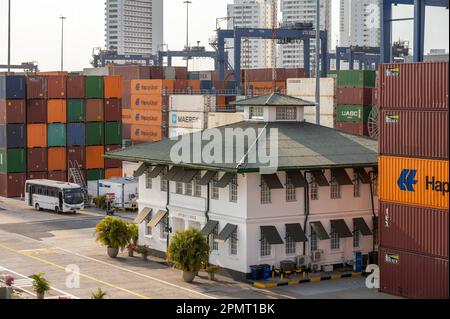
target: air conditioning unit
<point>315,267</point>
<point>316,255</point>
<point>301,261</point>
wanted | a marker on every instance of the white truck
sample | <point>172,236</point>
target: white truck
<point>125,191</point>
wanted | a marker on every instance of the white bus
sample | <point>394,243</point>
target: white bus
<point>60,197</point>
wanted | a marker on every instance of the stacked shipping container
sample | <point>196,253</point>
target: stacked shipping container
<point>414,183</point>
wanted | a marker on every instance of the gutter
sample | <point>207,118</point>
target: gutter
<point>207,202</point>
<point>168,228</point>
<point>306,205</point>
<point>374,217</point>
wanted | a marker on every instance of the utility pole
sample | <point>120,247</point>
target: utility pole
<point>318,62</point>
<point>9,35</point>
<point>62,42</point>
<point>187,29</point>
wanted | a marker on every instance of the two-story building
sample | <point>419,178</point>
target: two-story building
<point>317,207</point>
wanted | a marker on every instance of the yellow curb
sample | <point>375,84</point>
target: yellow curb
<point>356,274</point>
<point>264,286</point>
<point>294,282</point>
<point>317,279</point>
<point>334,277</point>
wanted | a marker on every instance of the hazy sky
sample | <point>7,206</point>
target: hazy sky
<point>36,28</point>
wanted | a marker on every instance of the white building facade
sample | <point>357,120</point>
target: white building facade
<point>134,27</point>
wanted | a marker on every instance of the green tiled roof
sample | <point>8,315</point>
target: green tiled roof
<point>275,99</point>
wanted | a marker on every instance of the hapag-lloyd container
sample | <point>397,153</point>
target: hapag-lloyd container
<point>75,87</point>
<point>152,87</point>
<point>414,133</point>
<point>413,275</point>
<point>413,228</point>
<point>57,87</point>
<point>12,111</point>
<point>147,102</point>
<point>414,181</point>
<point>12,135</point>
<point>12,185</point>
<point>37,160</point>
<point>146,133</point>
<point>12,87</point>
<point>145,117</point>
<point>197,120</point>
<point>192,103</point>
<point>355,96</point>
<point>37,111</point>
<point>422,86</point>
<point>36,87</point>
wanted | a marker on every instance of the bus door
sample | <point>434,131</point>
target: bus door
<point>60,197</point>
<point>30,194</point>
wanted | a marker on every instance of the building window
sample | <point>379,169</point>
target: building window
<point>257,112</point>
<point>335,189</point>
<point>286,114</point>
<point>164,227</point>
<point>313,240</point>
<point>266,248</point>
<point>179,188</point>
<point>214,235</point>
<point>233,190</point>
<point>188,189</point>
<point>148,229</point>
<point>266,195</point>
<point>197,186</point>
<point>356,236</point>
<point>290,245</point>
<point>314,191</point>
<point>233,243</point>
<point>163,182</point>
<point>291,194</point>
<point>214,188</point>
<point>334,240</point>
<point>148,181</point>
<point>356,186</point>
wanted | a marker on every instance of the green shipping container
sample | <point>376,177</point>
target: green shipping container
<point>56,135</point>
<point>356,79</point>
<point>13,160</point>
<point>75,111</point>
<point>113,133</point>
<point>94,87</point>
<point>353,113</point>
<point>95,174</point>
<point>94,134</point>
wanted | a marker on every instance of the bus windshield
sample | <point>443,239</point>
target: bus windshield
<point>73,196</point>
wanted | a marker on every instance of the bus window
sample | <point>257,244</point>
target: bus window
<point>73,196</point>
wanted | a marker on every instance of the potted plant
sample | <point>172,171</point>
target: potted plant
<point>211,270</point>
<point>114,234</point>
<point>134,234</point>
<point>188,251</point>
<point>99,294</point>
<point>144,250</point>
<point>9,280</point>
<point>40,285</point>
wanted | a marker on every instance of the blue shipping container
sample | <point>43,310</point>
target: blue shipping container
<point>76,134</point>
<point>12,87</point>
<point>206,85</point>
<point>195,75</point>
<point>12,136</point>
<point>231,85</point>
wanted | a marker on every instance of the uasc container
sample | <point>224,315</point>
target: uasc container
<point>353,113</point>
<point>57,159</point>
<point>37,160</point>
<point>12,111</point>
<point>57,87</point>
<point>12,136</point>
<point>36,135</point>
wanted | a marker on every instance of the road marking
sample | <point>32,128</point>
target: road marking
<point>40,251</point>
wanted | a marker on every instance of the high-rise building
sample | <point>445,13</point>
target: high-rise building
<point>303,11</point>
<point>360,23</point>
<point>134,26</point>
<point>255,53</point>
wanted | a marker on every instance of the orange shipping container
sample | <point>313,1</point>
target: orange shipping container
<point>146,133</point>
<point>147,102</point>
<point>94,157</point>
<point>113,172</point>
<point>146,117</point>
<point>36,135</point>
<point>56,111</point>
<point>414,181</point>
<point>113,87</point>
<point>194,85</point>
<point>126,116</point>
<point>151,87</point>
<point>57,159</point>
<point>260,88</point>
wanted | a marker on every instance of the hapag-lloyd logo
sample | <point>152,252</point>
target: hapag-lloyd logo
<point>139,132</point>
<point>143,87</point>
<point>140,117</point>
<point>144,102</point>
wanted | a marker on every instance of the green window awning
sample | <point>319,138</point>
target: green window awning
<point>360,224</point>
<point>225,234</point>
<point>271,234</point>
<point>296,232</point>
<point>341,228</point>
<point>143,215</point>
<point>320,179</point>
<point>318,228</point>
<point>272,181</point>
<point>209,227</point>
<point>341,177</point>
<point>297,179</point>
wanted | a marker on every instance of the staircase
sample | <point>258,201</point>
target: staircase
<point>76,177</point>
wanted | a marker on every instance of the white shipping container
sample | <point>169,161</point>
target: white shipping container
<point>197,120</point>
<point>103,71</point>
<point>216,119</point>
<point>125,190</point>
<point>327,105</point>
<point>307,87</point>
<point>177,131</point>
<point>169,73</point>
<point>205,75</point>
<point>325,120</point>
<point>192,103</point>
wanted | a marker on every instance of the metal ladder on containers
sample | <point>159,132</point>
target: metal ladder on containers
<point>76,176</point>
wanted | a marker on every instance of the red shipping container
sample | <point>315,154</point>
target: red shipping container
<point>37,160</point>
<point>57,88</point>
<point>219,85</point>
<point>112,163</point>
<point>75,87</point>
<point>37,175</point>
<point>181,73</point>
<point>412,228</point>
<point>37,111</point>
<point>76,155</point>
<point>36,87</point>
<point>360,129</point>
<point>180,85</point>
<point>414,134</point>
<point>12,112</point>
<point>113,110</point>
<point>60,176</point>
<point>354,96</point>
<point>413,275</point>
<point>421,86</point>
<point>12,185</point>
<point>156,72</point>
<point>94,110</point>
<point>295,73</point>
<point>130,72</point>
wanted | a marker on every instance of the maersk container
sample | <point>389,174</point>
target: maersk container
<point>37,159</point>
<point>422,86</point>
<point>36,87</point>
<point>12,111</point>
<point>113,133</point>
<point>13,160</point>
<point>12,135</point>
<point>94,87</point>
<point>75,111</point>
<point>95,134</point>
<point>76,134</point>
<point>414,133</point>
<point>12,87</point>
<point>411,275</point>
<point>356,78</point>
<point>56,135</point>
<point>353,113</point>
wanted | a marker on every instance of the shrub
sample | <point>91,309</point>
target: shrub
<point>40,284</point>
<point>99,294</point>
<point>100,201</point>
<point>134,233</point>
<point>113,233</point>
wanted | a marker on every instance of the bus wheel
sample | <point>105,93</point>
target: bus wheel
<point>37,207</point>
<point>57,210</point>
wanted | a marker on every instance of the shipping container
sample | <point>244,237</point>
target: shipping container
<point>356,78</point>
<point>95,174</point>
<point>126,131</point>
<point>12,112</point>
<point>205,75</point>
<point>98,71</point>
<point>180,86</point>
<point>12,135</point>
<point>412,275</point>
<point>13,160</point>
<point>146,133</point>
<point>193,85</point>
<point>219,85</point>
<point>75,87</point>
<point>413,228</point>
<point>113,133</point>
<point>76,155</point>
<point>410,86</point>
<point>261,88</point>
<point>147,102</point>
<point>95,134</point>
<point>414,133</point>
<point>112,110</point>
<point>12,185</point>
<point>36,87</point>
<point>57,87</point>
<point>192,103</point>
<point>53,73</point>
<point>132,72</point>
<point>206,85</point>
<point>56,135</point>
<point>113,87</point>
<point>127,116</point>
<point>355,96</point>
<point>37,175</point>
<point>37,159</point>
<point>146,117</point>
<point>94,157</point>
<point>12,87</point>
<point>152,87</point>
<point>181,73</point>
<point>216,119</point>
<point>36,111</point>
<point>76,134</point>
<point>295,73</point>
<point>112,163</point>
<point>178,131</point>
<point>113,172</point>
<point>75,111</point>
<point>156,72</point>
<point>307,87</point>
<point>57,159</point>
<point>414,181</point>
<point>353,113</point>
<point>36,135</point>
<point>263,75</point>
<point>94,110</point>
<point>60,176</point>
<point>94,87</point>
<point>56,111</point>
<point>197,120</point>
<point>169,73</point>
<point>360,129</point>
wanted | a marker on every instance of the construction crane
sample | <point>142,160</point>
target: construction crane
<point>274,43</point>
